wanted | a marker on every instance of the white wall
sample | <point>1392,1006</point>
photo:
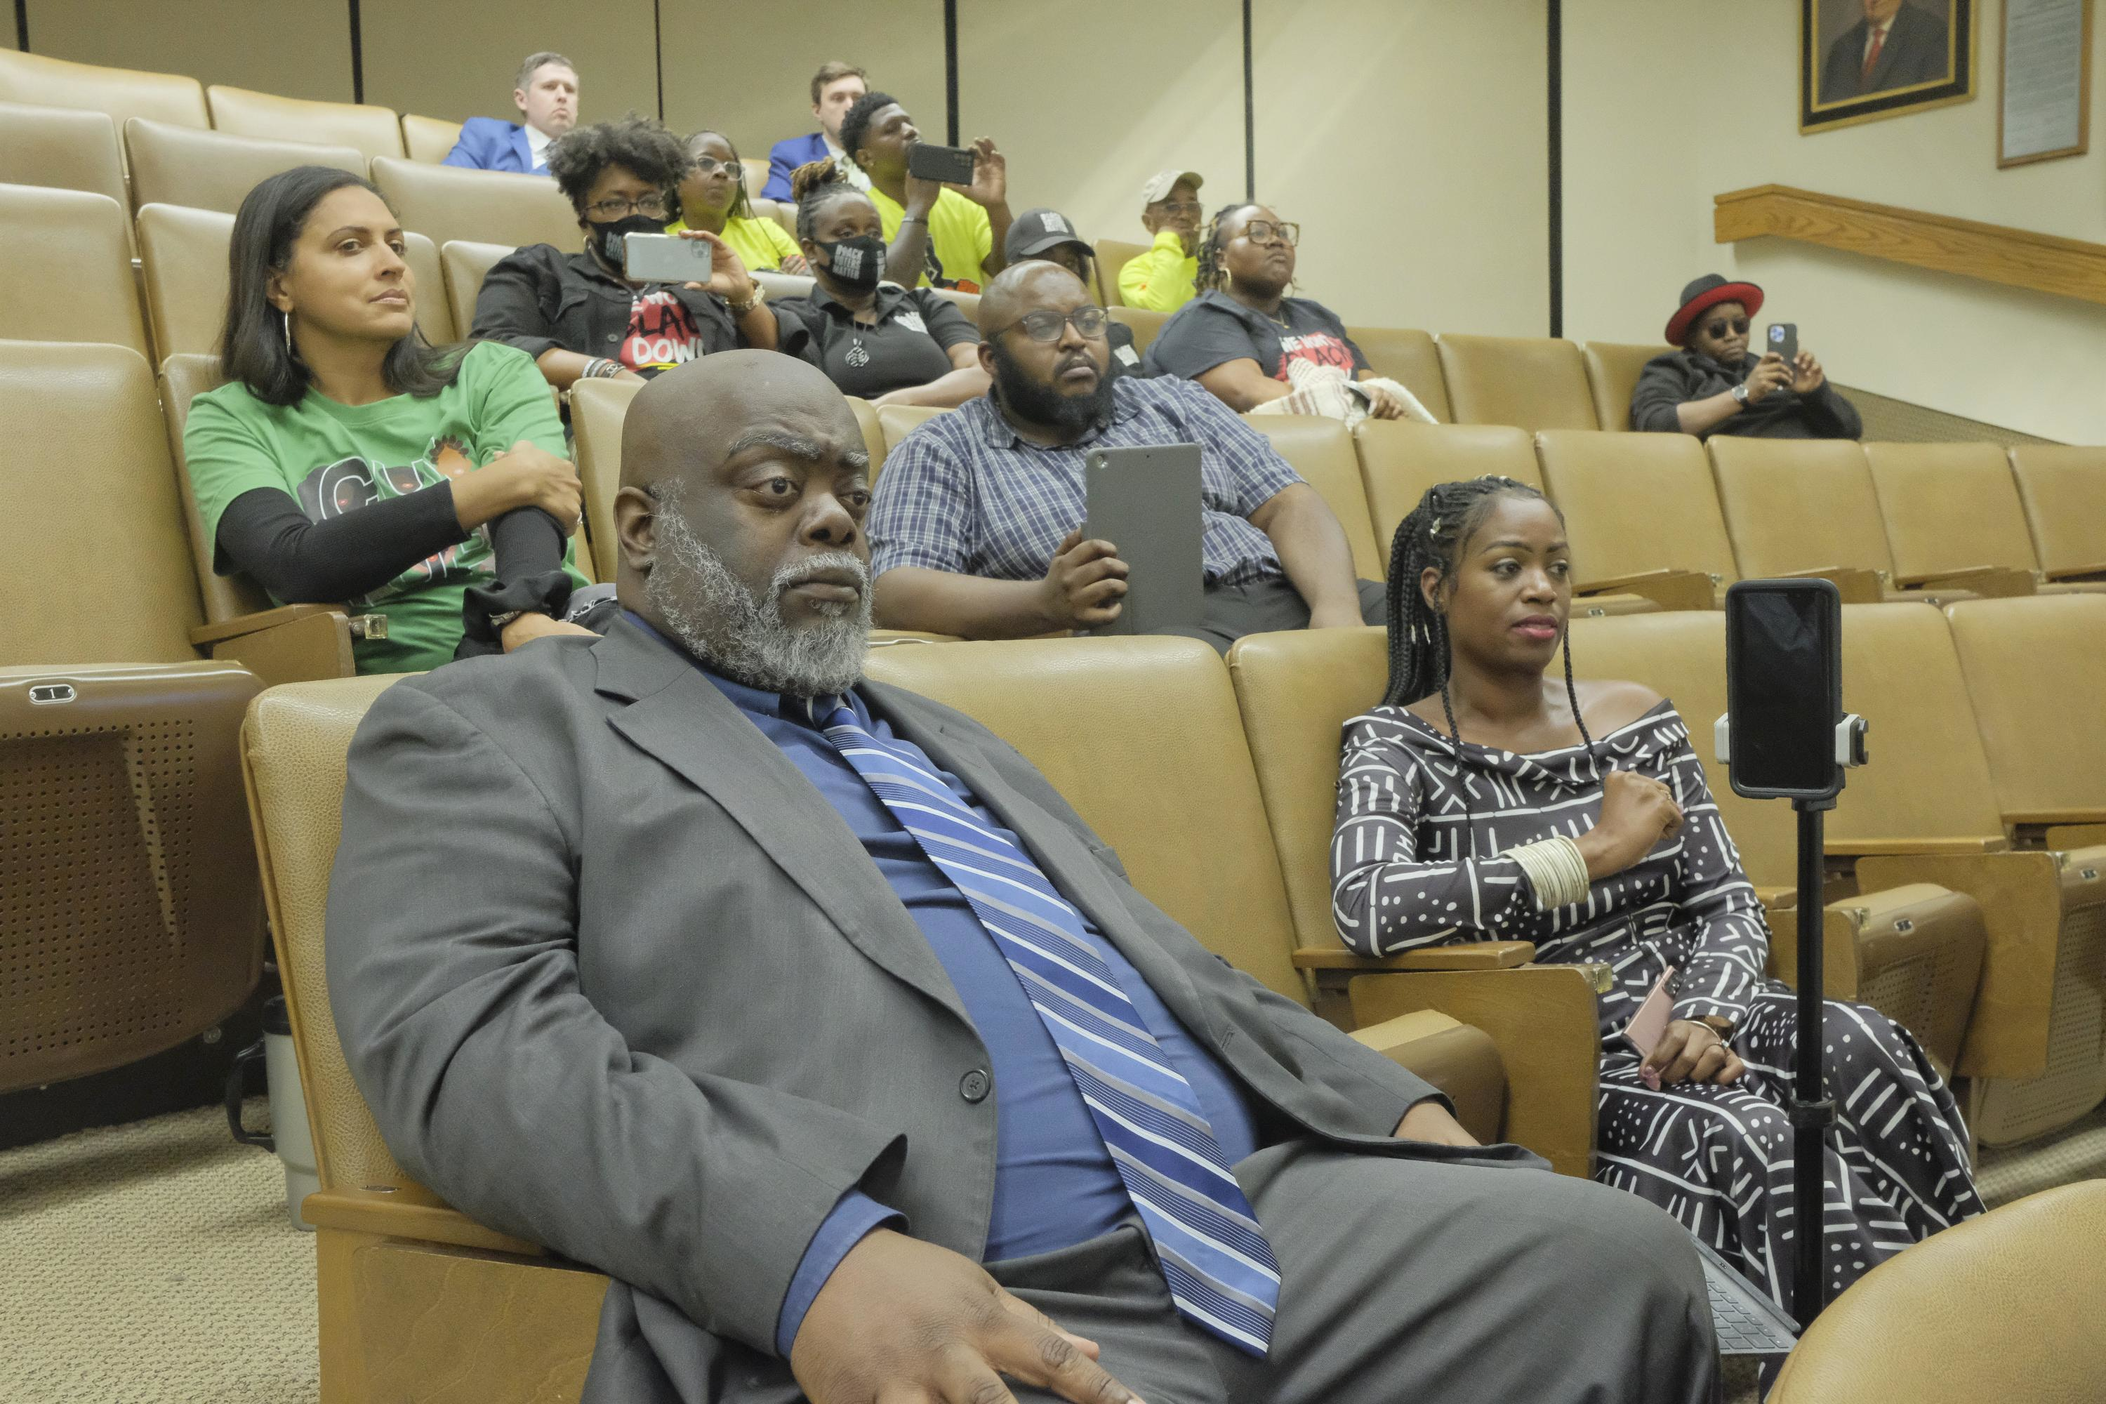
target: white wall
<point>1669,103</point>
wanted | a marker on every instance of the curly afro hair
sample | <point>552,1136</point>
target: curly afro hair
<point>639,143</point>
<point>855,123</point>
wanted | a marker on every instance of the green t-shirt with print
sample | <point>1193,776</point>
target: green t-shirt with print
<point>334,458</point>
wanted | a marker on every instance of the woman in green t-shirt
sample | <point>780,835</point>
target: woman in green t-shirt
<point>349,460</point>
<point>713,197</point>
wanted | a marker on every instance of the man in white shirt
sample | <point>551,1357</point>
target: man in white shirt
<point>546,95</point>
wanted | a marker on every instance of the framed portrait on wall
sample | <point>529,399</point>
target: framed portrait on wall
<point>1861,60</point>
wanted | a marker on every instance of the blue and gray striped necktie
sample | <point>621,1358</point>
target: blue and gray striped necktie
<point>1219,1268</point>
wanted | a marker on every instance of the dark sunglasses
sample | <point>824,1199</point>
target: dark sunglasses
<point>1719,329</point>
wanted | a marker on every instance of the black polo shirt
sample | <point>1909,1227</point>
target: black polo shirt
<point>910,345</point>
<point>1214,329</point>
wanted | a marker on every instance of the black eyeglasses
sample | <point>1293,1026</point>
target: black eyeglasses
<point>1264,231</point>
<point>650,206</point>
<point>1045,324</point>
<point>1719,329</point>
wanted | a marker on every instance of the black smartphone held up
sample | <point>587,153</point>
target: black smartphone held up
<point>953,165</point>
<point>1784,690</point>
<point>1784,340</point>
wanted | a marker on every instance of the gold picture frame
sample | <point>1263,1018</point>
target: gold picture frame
<point>1926,55</point>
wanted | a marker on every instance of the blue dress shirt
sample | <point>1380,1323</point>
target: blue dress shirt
<point>1055,1185</point>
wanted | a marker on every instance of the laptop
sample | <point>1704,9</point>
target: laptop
<point>1747,1322</point>
<point>1146,501</point>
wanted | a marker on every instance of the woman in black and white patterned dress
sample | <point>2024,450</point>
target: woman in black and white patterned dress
<point>1485,801</point>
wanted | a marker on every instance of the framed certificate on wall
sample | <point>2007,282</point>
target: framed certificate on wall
<point>2045,110</point>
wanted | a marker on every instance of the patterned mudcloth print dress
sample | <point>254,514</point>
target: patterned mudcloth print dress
<point>1415,862</point>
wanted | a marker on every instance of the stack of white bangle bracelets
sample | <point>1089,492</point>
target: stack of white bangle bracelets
<point>1555,870</point>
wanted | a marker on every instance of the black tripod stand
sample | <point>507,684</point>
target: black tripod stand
<point>1812,1111</point>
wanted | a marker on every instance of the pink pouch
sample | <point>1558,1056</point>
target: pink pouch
<point>1650,1022</point>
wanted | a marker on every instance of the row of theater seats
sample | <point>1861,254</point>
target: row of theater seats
<point>1224,821</point>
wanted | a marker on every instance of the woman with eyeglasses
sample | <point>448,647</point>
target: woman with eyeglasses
<point>890,345</point>
<point>713,197</point>
<point>1715,385</point>
<point>1241,334</point>
<point>580,316</point>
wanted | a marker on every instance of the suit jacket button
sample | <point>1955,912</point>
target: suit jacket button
<point>974,1085</point>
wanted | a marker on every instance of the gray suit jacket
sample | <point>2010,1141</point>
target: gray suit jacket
<point>1915,52</point>
<point>615,977</point>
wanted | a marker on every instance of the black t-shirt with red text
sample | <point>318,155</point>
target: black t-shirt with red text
<point>1214,329</point>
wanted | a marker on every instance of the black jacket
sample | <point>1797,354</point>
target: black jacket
<point>1915,52</point>
<point>1680,376</point>
<point>541,299</point>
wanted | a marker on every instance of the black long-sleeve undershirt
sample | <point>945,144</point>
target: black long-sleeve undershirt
<point>265,534</point>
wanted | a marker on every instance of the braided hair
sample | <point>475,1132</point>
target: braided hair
<point>741,208</point>
<point>811,186</point>
<point>1434,535</point>
<point>1211,273</point>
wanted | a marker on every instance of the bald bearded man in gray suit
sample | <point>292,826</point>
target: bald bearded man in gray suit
<point>631,956</point>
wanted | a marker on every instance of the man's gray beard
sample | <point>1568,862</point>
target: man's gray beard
<point>745,638</point>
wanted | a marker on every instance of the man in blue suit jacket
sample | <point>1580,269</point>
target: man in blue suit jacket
<point>546,94</point>
<point>835,88</point>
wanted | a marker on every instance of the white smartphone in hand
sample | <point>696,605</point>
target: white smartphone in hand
<point>665,258</point>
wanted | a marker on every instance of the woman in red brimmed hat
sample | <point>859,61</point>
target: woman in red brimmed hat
<point>1715,385</point>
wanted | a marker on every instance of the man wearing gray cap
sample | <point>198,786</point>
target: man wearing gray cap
<point>1161,279</point>
<point>1050,235</point>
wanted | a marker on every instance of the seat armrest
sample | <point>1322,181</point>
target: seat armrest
<point>1462,1062</point>
<point>308,644</point>
<point>1476,955</point>
<point>1855,584</point>
<point>1671,589</point>
<point>1892,847</point>
<point>2086,572</point>
<point>2057,828</point>
<point>1544,1021</point>
<point>1994,582</point>
<point>206,635</point>
<point>407,1211</point>
<point>1777,899</point>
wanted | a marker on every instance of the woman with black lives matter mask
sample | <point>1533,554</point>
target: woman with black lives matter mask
<point>579,315</point>
<point>889,344</point>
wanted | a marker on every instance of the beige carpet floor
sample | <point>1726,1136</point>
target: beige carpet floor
<point>153,1263</point>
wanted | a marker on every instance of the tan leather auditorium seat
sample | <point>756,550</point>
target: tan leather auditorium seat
<point>1400,459</point>
<point>174,165</point>
<point>1533,382</point>
<point>444,203</point>
<point>1926,810</point>
<point>2004,1307</point>
<point>61,147</point>
<point>1806,507</point>
<point>1641,513</point>
<point>898,421</point>
<point>68,269</point>
<point>1410,358</point>
<point>428,138</point>
<point>132,914</point>
<point>121,92</point>
<point>1143,323</point>
<point>184,255</point>
<point>1914,952</point>
<point>1111,256</point>
<point>1295,691</point>
<point>1322,452</point>
<point>1954,518</point>
<point>2063,490</point>
<point>1613,369</point>
<point>465,264</point>
<point>370,130</point>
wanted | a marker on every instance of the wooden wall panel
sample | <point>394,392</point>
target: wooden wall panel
<point>755,84</point>
<point>296,48</point>
<point>458,60</point>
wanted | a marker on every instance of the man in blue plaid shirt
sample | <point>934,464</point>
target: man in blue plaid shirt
<point>976,525</point>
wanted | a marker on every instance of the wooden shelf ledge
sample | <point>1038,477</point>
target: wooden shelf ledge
<point>2017,258</point>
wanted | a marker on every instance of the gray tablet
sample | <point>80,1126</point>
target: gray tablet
<point>1146,501</point>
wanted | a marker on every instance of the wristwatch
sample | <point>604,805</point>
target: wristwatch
<point>760,295</point>
<point>1740,393</point>
<point>498,621</point>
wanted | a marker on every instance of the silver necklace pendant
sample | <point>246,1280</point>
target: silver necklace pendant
<point>857,356</point>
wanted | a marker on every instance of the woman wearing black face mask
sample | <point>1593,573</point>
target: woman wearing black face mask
<point>888,344</point>
<point>1716,384</point>
<point>578,315</point>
